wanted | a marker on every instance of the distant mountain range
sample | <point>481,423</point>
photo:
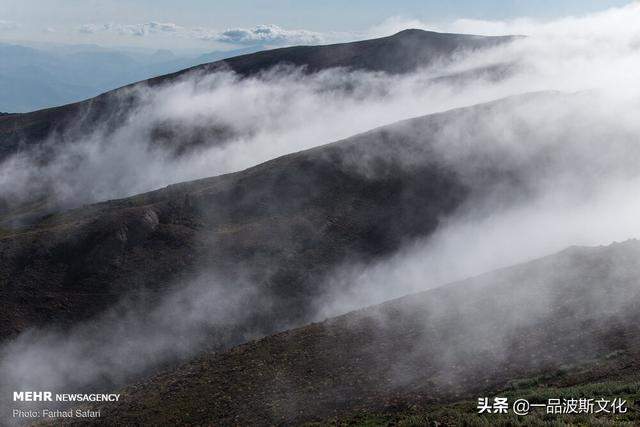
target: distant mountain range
<point>35,78</point>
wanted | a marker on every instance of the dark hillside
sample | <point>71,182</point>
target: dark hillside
<point>287,222</point>
<point>282,225</point>
<point>563,324</point>
<point>294,217</point>
<point>402,52</point>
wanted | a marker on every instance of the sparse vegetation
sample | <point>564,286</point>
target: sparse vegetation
<point>465,413</point>
<point>418,367</point>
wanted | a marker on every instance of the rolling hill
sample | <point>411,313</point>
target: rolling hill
<point>400,53</point>
<point>564,326</point>
<point>284,224</point>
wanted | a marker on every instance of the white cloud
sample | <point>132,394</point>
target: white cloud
<point>269,35</point>
<point>7,25</point>
<point>609,24</point>
<point>133,29</point>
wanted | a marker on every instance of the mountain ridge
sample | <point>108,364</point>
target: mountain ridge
<point>408,50</point>
<point>371,193</point>
<point>418,351</point>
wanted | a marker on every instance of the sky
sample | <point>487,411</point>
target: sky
<point>226,24</point>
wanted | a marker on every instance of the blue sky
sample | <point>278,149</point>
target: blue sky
<point>198,23</point>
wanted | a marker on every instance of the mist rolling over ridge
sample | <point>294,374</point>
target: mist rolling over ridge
<point>550,322</point>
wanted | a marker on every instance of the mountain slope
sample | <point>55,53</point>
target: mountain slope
<point>570,319</point>
<point>399,53</point>
<point>286,220</point>
<point>283,224</point>
<point>403,52</point>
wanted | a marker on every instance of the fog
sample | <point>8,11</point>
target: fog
<point>576,151</point>
<point>253,120</point>
<point>139,333</point>
<point>249,121</point>
<point>469,245</point>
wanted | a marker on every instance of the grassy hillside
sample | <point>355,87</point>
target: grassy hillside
<point>565,326</point>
